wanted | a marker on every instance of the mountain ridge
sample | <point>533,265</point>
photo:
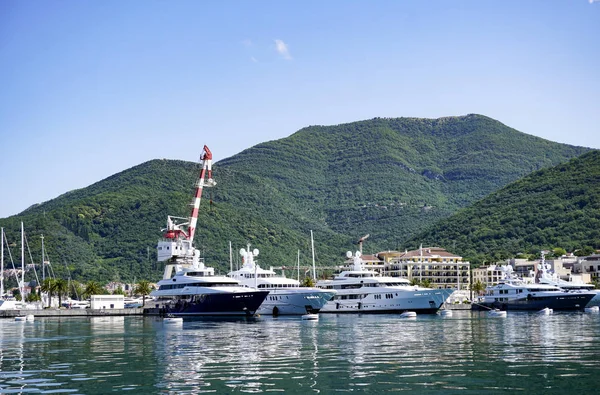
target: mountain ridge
<point>389,177</point>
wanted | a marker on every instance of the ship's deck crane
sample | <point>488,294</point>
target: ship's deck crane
<point>177,244</point>
<point>360,242</point>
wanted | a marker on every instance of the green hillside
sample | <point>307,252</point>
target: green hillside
<point>391,178</point>
<point>557,207</point>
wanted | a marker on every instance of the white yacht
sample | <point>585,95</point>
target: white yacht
<point>544,275</point>
<point>513,293</point>
<point>365,291</point>
<point>286,295</point>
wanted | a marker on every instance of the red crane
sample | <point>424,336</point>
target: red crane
<point>178,232</point>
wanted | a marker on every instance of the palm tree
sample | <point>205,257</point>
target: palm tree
<point>76,290</point>
<point>478,287</point>
<point>308,282</point>
<point>93,288</point>
<point>49,286</point>
<point>61,286</point>
<point>143,288</point>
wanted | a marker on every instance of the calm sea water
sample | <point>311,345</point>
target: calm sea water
<point>468,353</point>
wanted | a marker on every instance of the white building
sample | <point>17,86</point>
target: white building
<point>107,302</point>
<point>439,267</point>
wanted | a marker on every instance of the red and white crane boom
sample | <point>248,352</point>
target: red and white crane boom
<point>179,237</point>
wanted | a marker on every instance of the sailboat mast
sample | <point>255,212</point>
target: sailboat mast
<point>22,285</point>
<point>43,268</point>
<point>312,243</point>
<point>298,264</point>
<point>2,264</point>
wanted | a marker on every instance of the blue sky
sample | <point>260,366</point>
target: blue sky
<point>91,88</point>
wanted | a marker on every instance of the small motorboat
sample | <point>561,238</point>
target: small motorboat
<point>310,317</point>
<point>497,313</point>
<point>446,313</point>
<point>20,318</point>
<point>29,317</point>
<point>546,311</point>
<point>593,309</point>
<point>408,314</point>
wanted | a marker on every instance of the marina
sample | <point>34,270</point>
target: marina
<point>469,352</point>
<point>286,295</point>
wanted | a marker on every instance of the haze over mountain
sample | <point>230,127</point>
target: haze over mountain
<point>387,177</point>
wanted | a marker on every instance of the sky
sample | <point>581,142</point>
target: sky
<point>92,88</point>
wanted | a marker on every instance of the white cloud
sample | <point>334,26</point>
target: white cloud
<point>283,50</point>
<point>594,1</point>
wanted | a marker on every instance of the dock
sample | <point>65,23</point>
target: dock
<point>73,312</point>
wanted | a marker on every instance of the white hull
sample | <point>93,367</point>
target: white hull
<point>388,301</point>
<point>294,301</point>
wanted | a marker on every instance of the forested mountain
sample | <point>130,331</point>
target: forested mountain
<point>390,178</point>
<point>558,207</point>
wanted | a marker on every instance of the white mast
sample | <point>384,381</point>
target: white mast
<point>22,287</point>
<point>298,264</point>
<point>230,258</point>
<point>43,267</point>
<point>2,264</point>
<point>312,243</point>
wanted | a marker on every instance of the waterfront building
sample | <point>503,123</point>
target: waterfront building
<point>588,268</point>
<point>107,302</point>
<point>435,265</point>
<point>488,275</point>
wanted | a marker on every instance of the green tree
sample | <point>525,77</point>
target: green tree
<point>76,291</point>
<point>308,282</point>
<point>93,288</point>
<point>585,251</point>
<point>119,291</point>
<point>478,287</point>
<point>49,286</point>
<point>61,289</point>
<point>143,288</point>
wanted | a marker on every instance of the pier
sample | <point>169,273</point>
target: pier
<point>73,312</point>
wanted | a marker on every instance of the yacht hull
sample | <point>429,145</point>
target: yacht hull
<point>217,304</point>
<point>390,302</point>
<point>574,301</point>
<point>294,302</point>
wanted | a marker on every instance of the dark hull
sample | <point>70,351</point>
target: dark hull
<point>217,304</point>
<point>562,302</point>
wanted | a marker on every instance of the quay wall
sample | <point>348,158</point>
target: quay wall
<point>71,312</point>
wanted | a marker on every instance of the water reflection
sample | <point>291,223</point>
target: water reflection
<point>466,352</point>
